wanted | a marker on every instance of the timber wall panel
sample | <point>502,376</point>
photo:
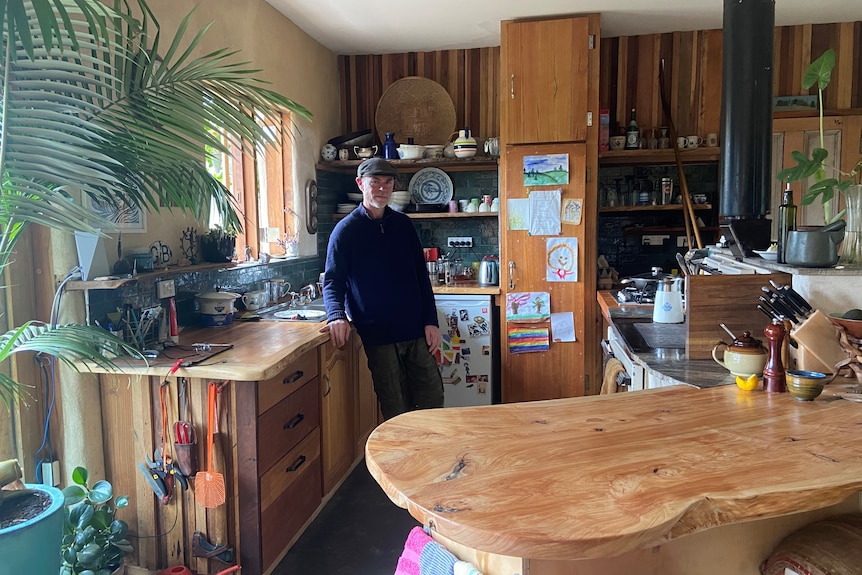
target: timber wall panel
<point>628,77</point>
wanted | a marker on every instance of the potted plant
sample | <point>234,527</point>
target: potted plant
<point>33,525</point>
<point>218,244</point>
<point>829,178</point>
<point>94,540</point>
<point>111,108</point>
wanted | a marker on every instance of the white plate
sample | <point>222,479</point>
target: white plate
<point>354,197</point>
<point>300,314</point>
<point>431,186</point>
<point>771,256</point>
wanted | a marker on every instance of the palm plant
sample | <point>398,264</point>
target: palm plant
<point>90,103</point>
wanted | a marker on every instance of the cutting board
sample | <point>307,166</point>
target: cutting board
<point>731,300</point>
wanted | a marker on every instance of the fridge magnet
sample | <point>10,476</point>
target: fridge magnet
<point>528,338</point>
<point>563,326</point>
<point>545,212</point>
<point>572,211</point>
<point>483,388</point>
<point>528,306</point>
<point>518,214</point>
<point>562,260</point>
<point>546,170</point>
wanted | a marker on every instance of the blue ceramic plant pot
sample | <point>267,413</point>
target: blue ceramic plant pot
<point>34,546</point>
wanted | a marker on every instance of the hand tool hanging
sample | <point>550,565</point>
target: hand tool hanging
<point>690,219</point>
<point>185,444</point>
<point>209,485</point>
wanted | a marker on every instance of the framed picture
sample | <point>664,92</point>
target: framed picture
<point>127,218</point>
<point>795,103</point>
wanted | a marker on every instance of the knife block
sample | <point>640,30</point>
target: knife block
<point>711,300</point>
<point>819,349</point>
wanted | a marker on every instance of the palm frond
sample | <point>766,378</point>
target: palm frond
<point>73,344</point>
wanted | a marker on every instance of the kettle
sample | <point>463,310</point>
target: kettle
<point>489,271</point>
<point>668,301</point>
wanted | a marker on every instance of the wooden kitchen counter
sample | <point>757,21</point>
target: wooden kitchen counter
<point>465,288</point>
<point>601,476</point>
<point>260,350</point>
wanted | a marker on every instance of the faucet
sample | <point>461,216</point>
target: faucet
<point>307,294</point>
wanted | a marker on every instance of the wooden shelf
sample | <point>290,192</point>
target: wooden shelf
<point>437,215</point>
<point>408,166</point>
<point>667,208</point>
<point>633,157</point>
<point>650,230</point>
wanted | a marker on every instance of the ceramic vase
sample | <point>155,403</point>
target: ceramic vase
<point>465,144</point>
<point>851,250</point>
<point>34,545</point>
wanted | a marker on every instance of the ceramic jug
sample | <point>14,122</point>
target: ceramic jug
<point>745,356</point>
<point>465,144</point>
<point>390,148</point>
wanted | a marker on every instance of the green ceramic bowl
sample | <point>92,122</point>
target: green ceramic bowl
<point>805,385</point>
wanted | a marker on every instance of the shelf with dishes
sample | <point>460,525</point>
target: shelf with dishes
<point>655,230</point>
<point>650,208</point>
<point>431,215</point>
<point>408,166</point>
<point>631,157</point>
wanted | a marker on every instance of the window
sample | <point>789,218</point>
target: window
<point>271,213</point>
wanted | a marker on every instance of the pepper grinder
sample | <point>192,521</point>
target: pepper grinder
<point>774,379</point>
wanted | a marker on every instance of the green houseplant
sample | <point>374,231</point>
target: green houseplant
<point>829,178</point>
<point>96,101</point>
<point>94,540</point>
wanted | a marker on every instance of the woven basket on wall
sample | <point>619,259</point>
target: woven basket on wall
<point>418,108</point>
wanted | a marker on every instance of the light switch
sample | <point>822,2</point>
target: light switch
<point>166,288</point>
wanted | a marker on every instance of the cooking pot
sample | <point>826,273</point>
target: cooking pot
<point>216,308</point>
<point>489,271</point>
<point>815,247</point>
<point>643,280</point>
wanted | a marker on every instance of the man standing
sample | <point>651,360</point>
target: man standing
<point>376,276</point>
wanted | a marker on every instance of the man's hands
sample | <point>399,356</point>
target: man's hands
<point>339,332</point>
<point>432,338</point>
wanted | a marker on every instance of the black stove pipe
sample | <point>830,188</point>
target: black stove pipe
<point>746,110</point>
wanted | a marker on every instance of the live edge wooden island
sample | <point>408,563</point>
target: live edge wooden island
<point>670,481</point>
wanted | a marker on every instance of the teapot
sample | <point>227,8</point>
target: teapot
<point>745,356</point>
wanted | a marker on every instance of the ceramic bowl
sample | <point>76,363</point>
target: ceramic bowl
<point>410,152</point>
<point>805,385</point>
<point>767,255</point>
<point>853,326</point>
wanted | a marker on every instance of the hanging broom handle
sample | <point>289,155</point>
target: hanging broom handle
<point>210,423</point>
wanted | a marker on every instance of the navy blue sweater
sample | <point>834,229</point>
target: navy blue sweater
<point>376,275</point>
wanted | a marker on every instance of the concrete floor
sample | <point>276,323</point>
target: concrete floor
<point>359,532</point>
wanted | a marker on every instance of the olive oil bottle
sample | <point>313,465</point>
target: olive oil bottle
<point>786,221</point>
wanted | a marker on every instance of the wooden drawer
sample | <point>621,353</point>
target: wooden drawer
<point>273,390</point>
<point>290,493</point>
<point>283,426</point>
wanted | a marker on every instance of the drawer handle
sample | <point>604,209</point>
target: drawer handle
<point>295,420</point>
<point>297,464</point>
<point>328,385</point>
<point>295,377</point>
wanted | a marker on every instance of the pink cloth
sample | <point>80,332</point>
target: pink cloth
<point>408,563</point>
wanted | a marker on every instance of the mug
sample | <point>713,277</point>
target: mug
<point>681,142</point>
<point>364,152</point>
<point>344,154</point>
<point>255,299</point>
<point>492,146</point>
<point>453,207</point>
<point>463,204</point>
<point>712,140</point>
<point>694,141</point>
<point>618,142</point>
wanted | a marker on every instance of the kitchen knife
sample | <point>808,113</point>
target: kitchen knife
<point>767,312</point>
<point>800,301</point>
<point>783,309</point>
<point>768,305</point>
<point>787,301</point>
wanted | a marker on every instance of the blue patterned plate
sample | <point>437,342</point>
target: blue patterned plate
<point>431,186</point>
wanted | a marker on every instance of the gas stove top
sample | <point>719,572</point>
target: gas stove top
<point>634,295</point>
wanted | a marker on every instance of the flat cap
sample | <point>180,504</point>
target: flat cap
<point>376,167</point>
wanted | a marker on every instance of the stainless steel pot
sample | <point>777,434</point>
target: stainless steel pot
<point>641,281</point>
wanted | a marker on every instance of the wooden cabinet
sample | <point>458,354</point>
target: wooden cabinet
<point>545,72</point>
<point>549,80</point>
<point>336,414</point>
<point>276,427</point>
<point>366,412</point>
<point>843,141</point>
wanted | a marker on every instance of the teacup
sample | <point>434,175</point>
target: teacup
<point>740,361</point>
<point>618,142</point>
<point>693,141</point>
<point>255,299</point>
<point>681,142</point>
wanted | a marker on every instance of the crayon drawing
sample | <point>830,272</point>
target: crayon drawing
<point>562,260</point>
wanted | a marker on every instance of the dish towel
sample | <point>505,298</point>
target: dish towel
<point>408,563</point>
<point>436,560</point>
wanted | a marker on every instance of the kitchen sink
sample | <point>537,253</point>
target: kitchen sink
<point>313,312</point>
<point>651,336</point>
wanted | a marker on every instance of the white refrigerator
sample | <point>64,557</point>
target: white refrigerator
<point>468,357</point>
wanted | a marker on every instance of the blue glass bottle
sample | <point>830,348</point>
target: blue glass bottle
<point>390,148</point>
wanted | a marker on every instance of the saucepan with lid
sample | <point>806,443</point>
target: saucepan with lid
<point>641,281</point>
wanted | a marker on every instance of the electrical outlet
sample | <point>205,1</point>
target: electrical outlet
<point>460,242</point>
<point>166,288</point>
<point>654,240</point>
<point>682,242</point>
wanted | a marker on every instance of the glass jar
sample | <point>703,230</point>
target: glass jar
<point>851,248</point>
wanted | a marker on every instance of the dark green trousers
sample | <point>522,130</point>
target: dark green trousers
<point>405,377</point>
